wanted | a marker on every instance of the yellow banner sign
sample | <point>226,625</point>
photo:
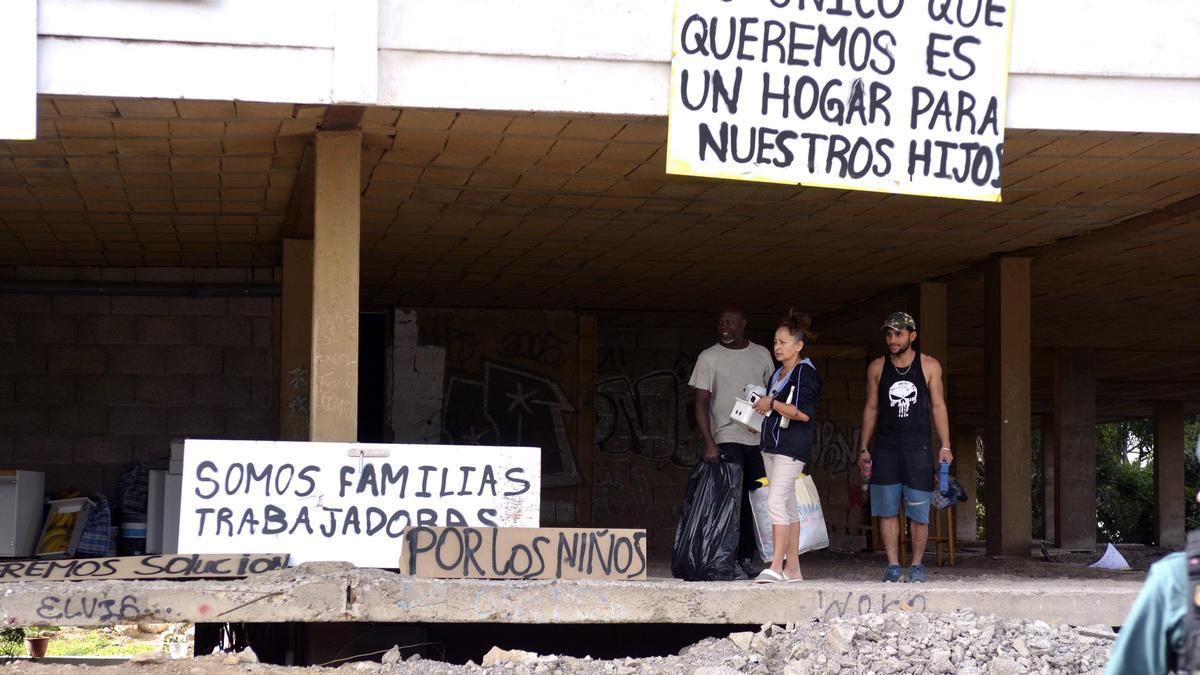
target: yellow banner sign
<point>884,95</point>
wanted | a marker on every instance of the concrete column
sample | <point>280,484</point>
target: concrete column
<point>587,422</point>
<point>1075,440</point>
<point>1049,455</point>
<point>929,307</point>
<point>336,235</point>
<point>1007,408</point>
<point>295,344</point>
<point>964,466</point>
<point>1169,490</point>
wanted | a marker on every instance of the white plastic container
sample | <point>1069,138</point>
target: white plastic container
<point>155,509</point>
<point>21,495</point>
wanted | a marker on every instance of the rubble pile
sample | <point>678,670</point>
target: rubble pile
<point>893,642</point>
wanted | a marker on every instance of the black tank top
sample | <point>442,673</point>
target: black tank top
<point>903,420</point>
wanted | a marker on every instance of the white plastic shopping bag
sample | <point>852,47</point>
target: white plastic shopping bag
<point>762,523</point>
<point>813,533</point>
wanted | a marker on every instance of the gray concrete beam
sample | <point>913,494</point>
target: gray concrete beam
<point>331,594</point>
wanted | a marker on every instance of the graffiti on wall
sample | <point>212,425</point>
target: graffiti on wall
<point>493,387</point>
<point>650,417</point>
<point>835,605</point>
<point>545,348</point>
<point>510,406</point>
<point>461,346</point>
<point>835,445</point>
<point>295,404</point>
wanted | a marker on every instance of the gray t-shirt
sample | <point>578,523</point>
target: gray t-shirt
<point>725,372</point>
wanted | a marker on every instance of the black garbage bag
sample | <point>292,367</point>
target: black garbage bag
<point>706,536</point>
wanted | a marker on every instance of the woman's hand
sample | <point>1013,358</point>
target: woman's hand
<point>763,405</point>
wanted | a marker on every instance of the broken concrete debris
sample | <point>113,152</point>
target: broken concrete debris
<point>497,656</point>
<point>392,656</point>
<point>882,643</point>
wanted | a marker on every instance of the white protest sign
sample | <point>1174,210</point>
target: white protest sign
<point>347,501</point>
<point>903,96</point>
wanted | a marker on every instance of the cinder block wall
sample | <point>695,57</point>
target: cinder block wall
<point>633,466</point>
<point>90,383</point>
<point>501,377</point>
<point>647,441</point>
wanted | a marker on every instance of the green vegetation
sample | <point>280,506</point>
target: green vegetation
<point>1124,481</point>
<point>70,643</point>
<point>96,643</point>
<point>12,643</point>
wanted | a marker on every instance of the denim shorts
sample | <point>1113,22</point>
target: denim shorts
<point>885,502</point>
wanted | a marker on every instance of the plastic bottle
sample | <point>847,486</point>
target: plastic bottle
<point>944,478</point>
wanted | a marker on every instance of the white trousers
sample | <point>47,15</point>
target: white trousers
<point>782,472</point>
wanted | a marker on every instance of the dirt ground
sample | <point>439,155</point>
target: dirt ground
<point>114,639</point>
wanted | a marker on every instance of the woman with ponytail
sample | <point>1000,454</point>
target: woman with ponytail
<point>787,440</point>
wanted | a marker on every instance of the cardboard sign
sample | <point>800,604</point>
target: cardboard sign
<point>524,553</point>
<point>884,95</point>
<point>143,567</point>
<point>347,501</point>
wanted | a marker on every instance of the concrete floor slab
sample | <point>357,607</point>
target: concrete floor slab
<point>336,593</point>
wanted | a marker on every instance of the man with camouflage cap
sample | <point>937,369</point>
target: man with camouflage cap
<point>908,385</point>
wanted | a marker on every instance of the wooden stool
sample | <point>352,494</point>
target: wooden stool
<point>941,535</point>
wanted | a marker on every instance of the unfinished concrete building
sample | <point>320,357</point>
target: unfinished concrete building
<point>369,221</point>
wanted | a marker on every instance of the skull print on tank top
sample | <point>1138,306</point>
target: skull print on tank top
<point>903,420</point>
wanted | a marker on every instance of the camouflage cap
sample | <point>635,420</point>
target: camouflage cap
<point>898,321</point>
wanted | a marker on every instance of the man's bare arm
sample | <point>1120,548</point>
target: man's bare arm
<point>712,453</point>
<point>871,407</point>
<point>937,406</point>
<point>870,412</point>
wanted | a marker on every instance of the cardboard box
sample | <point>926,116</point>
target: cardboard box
<point>64,524</point>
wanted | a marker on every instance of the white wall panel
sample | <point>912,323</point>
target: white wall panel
<point>471,81</point>
<point>1104,104</point>
<point>1076,64</point>
<point>1150,38</point>
<point>281,23</point>
<point>626,30</point>
<point>164,70</point>
<point>1155,38</point>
